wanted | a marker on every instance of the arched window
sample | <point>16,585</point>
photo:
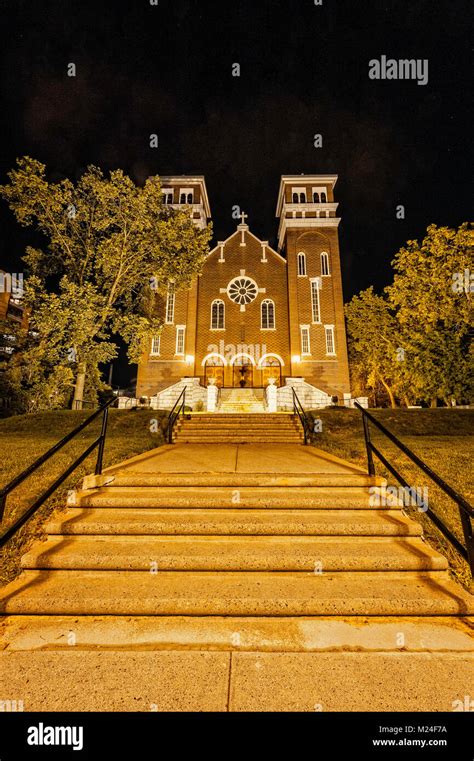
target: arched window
<point>302,197</point>
<point>295,198</point>
<point>323,197</point>
<point>268,314</point>
<point>186,195</point>
<point>315,197</point>
<point>217,315</point>
<point>301,264</point>
<point>324,263</point>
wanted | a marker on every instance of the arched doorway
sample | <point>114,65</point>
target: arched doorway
<point>242,372</point>
<point>271,368</point>
<point>214,368</point>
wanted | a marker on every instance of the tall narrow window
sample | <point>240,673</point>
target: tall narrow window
<point>217,315</point>
<point>315,306</point>
<point>315,197</point>
<point>167,196</point>
<point>330,345</point>
<point>170,307</point>
<point>323,197</point>
<point>324,263</point>
<point>180,339</point>
<point>302,197</point>
<point>268,315</point>
<point>301,264</point>
<point>294,197</point>
<point>305,345</point>
<point>155,346</point>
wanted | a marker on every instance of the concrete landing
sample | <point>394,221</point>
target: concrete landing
<point>236,458</point>
<point>226,681</point>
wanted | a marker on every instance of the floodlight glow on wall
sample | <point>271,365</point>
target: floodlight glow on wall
<point>189,359</point>
<point>296,358</point>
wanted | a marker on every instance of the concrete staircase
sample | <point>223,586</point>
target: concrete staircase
<point>240,562</point>
<point>241,400</point>
<point>224,545</point>
<point>239,428</point>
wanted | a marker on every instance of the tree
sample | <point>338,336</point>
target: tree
<point>432,298</point>
<point>373,342</point>
<point>415,339</point>
<point>113,246</point>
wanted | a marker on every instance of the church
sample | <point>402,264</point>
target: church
<point>257,316</point>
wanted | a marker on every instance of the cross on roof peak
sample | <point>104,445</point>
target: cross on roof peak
<point>244,217</point>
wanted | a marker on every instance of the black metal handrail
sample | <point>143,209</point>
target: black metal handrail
<point>298,409</point>
<point>174,415</point>
<point>98,443</point>
<point>466,511</point>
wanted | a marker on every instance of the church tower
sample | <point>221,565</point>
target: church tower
<point>308,236</point>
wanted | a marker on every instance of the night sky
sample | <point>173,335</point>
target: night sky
<point>143,69</point>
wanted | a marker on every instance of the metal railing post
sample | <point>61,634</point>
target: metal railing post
<point>3,502</point>
<point>466,524</point>
<point>103,434</point>
<point>368,446</point>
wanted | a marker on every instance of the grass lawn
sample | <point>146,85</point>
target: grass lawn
<point>26,437</point>
<point>443,438</point>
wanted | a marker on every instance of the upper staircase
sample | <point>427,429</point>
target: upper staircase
<point>241,400</point>
<point>238,428</point>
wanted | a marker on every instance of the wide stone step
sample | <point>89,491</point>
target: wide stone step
<point>247,407</point>
<point>239,634</point>
<point>219,425</point>
<point>258,497</point>
<point>152,521</point>
<point>234,479</point>
<point>183,438</point>
<point>224,431</point>
<point>221,430</point>
<point>268,417</point>
<point>218,553</point>
<point>235,593</point>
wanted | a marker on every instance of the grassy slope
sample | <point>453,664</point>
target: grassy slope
<point>25,437</point>
<point>443,438</point>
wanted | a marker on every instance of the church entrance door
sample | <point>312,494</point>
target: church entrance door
<point>242,374</point>
<point>271,369</point>
<point>214,369</point>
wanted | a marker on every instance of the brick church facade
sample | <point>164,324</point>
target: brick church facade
<point>256,314</point>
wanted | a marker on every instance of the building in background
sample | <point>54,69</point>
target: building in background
<point>256,316</point>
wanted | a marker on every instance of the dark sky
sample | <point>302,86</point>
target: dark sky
<point>144,69</point>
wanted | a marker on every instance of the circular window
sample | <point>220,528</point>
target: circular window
<point>242,290</point>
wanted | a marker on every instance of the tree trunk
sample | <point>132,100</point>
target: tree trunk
<point>434,402</point>
<point>406,400</point>
<point>79,387</point>
<point>389,391</point>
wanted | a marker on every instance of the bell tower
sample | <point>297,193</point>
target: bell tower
<point>308,237</point>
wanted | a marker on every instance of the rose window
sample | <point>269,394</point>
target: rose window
<point>242,290</point>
